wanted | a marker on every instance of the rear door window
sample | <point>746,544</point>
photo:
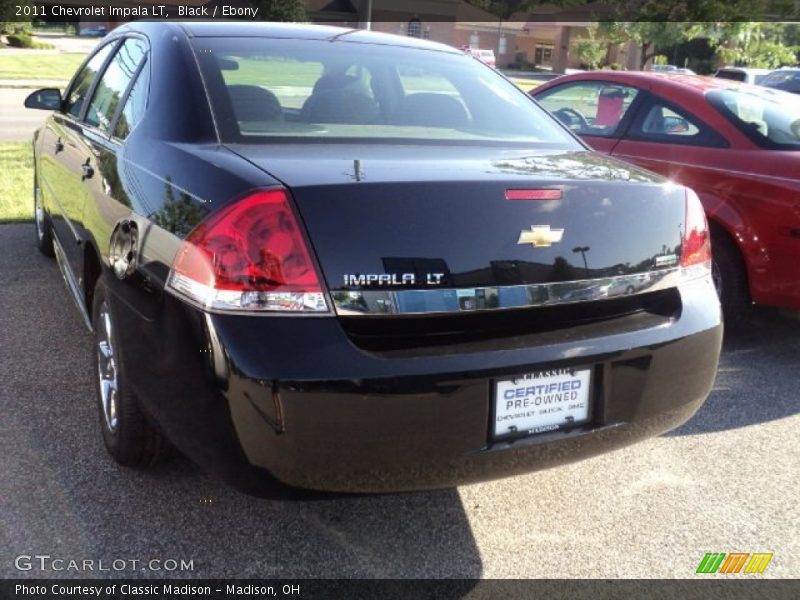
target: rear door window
<point>73,104</point>
<point>135,104</point>
<point>590,108</point>
<point>114,83</point>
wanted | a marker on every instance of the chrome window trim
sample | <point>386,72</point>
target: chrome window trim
<point>360,303</point>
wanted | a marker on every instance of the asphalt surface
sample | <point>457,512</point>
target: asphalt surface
<point>17,123</point>
<point>728,481</point>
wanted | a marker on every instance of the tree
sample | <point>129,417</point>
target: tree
<point>761,45</point>
<point>591,50</point>
<point>280,10</point>
<point>648,35</point>
<point>503,9</point>
<point>662,24</point>
<point>9,22</point>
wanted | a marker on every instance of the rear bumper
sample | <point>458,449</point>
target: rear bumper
<point>367,440</point>
<point>293,401</point>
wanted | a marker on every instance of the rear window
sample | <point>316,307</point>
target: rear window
<point>770,118</point>
<point>787,79</point>
<point>782,76</point>
<point>265,89</point>
<point>731,74</point>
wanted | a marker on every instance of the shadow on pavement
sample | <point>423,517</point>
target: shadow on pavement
<point>758,376</point>
<point>61,495</point>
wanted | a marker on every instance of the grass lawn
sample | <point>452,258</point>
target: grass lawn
<point>16,176</point>
<point>526,85</point>
<point>46,65</point>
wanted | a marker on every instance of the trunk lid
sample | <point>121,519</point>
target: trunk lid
<point>421,217</point>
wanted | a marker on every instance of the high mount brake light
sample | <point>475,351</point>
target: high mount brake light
<point>249,256</point>
<point>531,194</point>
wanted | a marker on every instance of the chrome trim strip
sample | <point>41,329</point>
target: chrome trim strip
<point>72,285</point>
<point>482,299</point>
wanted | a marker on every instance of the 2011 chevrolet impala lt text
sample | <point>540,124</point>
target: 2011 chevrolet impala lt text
<point>338,260</point>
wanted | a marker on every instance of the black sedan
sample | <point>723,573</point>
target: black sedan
<point>337,260</point>
<point>786,79</point>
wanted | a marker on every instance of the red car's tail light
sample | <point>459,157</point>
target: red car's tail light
<point>696,248</point>
<point>251,256</point>
<point>696,243</point>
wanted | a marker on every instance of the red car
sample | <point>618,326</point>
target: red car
<point>736,145</point>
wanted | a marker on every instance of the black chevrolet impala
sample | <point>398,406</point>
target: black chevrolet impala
<point>336,260</point>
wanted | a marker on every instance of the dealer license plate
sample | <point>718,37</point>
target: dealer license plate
<point>543,401</point>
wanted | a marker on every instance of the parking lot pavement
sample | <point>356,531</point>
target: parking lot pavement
<point>17,123</point>
<point>728,481</point>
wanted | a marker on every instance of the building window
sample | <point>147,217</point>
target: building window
<point>501,45</point>
<point>543,57</point>
<point>414,28</point>
<point>474,40</point>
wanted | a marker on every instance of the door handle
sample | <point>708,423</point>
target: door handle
<point>59,146</point>
<point>87,169</point>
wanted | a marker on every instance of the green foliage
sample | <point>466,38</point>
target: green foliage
<point>16,175</point>
<point>591,50</point>
<point>649,35</point>
<point>8,9</point>
<point>503,9</point>
<point>280,10</point>
<point>760,45</point>
<point>24,40</point>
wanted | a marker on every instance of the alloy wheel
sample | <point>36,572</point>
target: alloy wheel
<point>38,212</point>
<point>107,367</point>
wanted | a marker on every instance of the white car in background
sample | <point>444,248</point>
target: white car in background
<point>743,74</point>
<point>671,69</point>
<point>483,55</point>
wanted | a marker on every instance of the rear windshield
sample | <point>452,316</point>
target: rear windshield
<point>734,75</point>
<point>262,89</point>
<point>784,79</point>
<point>770,118</point>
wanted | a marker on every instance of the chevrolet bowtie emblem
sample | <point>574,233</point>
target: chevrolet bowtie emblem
<point>540,236</point>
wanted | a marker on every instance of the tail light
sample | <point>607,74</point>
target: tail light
<point>696,248</point>
<point>249,256</point>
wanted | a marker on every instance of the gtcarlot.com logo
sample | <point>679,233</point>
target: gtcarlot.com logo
<point>46,562</point>
<point>735,562</point>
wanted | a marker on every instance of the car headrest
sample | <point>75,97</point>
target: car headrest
<point>427,109</point>
<point>254,103</point>
<point>334,81</point>
<point>340,106</point>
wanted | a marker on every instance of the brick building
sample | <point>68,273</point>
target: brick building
<point>544,37</point>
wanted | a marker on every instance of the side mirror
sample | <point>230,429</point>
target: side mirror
<point>44,99</point>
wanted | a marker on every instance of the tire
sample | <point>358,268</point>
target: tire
<point>44,230</point>
<point>730,279</point>
<point>129,437</point>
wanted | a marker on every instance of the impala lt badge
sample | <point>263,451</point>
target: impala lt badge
<point>540,236</point>
<point>391,279</point>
